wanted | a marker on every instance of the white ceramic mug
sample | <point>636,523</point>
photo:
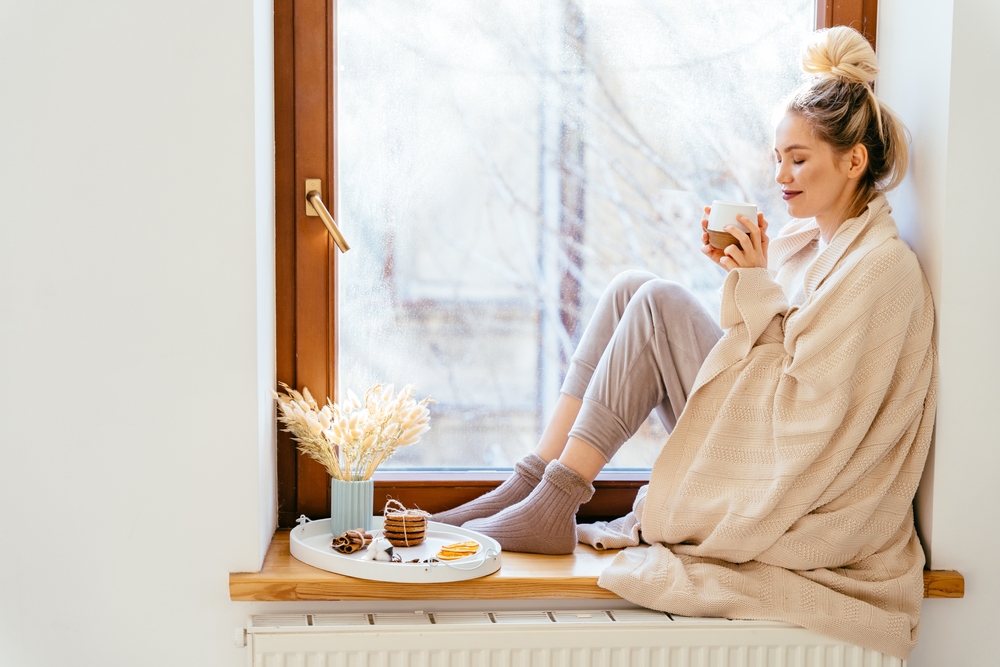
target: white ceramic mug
<point>725,212</point>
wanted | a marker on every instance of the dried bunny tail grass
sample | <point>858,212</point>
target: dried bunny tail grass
<point>308,425</point>
<point>370,430</point>
<point>353,438</point>
<point>316,447</point>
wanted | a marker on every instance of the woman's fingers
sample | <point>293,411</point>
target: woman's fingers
<point>752,254</point>
<point>734,253</point>
<point>751,248</point>
<point>746,243</point>
<point>764,239</point>
<point>711,251</point>
<point>754,230</point>
<point>762,224</point>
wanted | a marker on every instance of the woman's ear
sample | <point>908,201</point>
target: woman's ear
<point>859,161</point>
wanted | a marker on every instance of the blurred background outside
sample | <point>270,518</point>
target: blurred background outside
<point>501,162</point>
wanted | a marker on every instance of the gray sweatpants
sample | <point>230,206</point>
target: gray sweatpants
<point>640,352</point>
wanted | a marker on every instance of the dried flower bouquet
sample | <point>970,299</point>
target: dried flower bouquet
<point>351,439</point>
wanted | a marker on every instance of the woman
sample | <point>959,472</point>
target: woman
<point>800,428</point>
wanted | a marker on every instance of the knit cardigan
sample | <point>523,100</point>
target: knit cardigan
<point>785,490</point>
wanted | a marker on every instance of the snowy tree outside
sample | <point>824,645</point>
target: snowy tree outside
<point>501,162</point>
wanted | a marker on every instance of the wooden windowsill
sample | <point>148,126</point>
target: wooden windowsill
<point>523,576</point>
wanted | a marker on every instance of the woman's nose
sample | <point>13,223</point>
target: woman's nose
<point>782,174</point>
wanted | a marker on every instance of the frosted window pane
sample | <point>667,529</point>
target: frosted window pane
<point>501,162</point>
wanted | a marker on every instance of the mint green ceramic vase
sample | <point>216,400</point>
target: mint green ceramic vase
<point>351,505</point>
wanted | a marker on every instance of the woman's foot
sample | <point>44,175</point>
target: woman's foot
<point>527,473</point>
<point>545,521</point>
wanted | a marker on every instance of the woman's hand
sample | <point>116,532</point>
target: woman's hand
<point>713,253</point>
<point>751,251</point>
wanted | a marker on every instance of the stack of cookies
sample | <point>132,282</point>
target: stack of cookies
<point>404,527</point>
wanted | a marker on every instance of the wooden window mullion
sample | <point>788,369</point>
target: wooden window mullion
<point>316,261</point>
<point>862,15</point>
<point>305,51</point>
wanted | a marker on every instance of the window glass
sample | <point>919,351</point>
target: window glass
<point>501,162</point>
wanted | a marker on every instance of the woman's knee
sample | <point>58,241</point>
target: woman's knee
<point>627,283</point>
<point>665,292</point>
<point>669,302</point>
<point>666,300</point>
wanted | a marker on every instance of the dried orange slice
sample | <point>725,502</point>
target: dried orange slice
<point>458,550</point>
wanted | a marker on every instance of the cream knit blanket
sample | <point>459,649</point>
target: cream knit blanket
<point>785,491</point>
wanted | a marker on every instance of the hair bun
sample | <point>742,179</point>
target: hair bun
<point>840,53</point>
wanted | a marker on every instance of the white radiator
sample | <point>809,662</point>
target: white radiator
<point>613,638</point>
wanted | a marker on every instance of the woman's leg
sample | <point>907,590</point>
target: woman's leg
<point>553,440</point>
<point>608,313</point>
<point>528,471</point>
<point>651,362</point>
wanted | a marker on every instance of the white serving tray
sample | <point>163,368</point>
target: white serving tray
<point>310,543</point>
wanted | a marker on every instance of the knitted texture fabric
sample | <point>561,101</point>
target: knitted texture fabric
<point>785,491</point>
<point>618,534</point>
<point>527,473</point>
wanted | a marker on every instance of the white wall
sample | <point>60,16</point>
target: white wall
<point>136,327</point>
<point>136,319</point>
<point>941,73</point>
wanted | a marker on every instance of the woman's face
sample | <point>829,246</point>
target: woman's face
<point>815,181</point>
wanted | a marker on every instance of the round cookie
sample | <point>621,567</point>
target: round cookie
<point>404,529</point>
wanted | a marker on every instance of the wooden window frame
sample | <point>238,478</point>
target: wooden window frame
<point>305,66</point>
<point>862,15</point>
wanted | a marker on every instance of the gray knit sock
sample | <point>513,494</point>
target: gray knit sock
<point>545,521</point>
<point>527,473</point>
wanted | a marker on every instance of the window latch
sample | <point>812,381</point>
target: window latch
<point>315,207</point>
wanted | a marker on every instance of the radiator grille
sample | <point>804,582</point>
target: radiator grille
<point>586,638</point>
<point>338,620</point>
<point>582,617</point>
<point>462,618</point>
<point>401,619</point>
<point>522,618</point>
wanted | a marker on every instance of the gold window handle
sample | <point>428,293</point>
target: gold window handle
<point>315,207</point>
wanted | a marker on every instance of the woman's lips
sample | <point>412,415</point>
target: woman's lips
<point>788,194</point>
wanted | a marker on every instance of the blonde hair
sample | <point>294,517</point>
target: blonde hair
<point>840,105</point>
